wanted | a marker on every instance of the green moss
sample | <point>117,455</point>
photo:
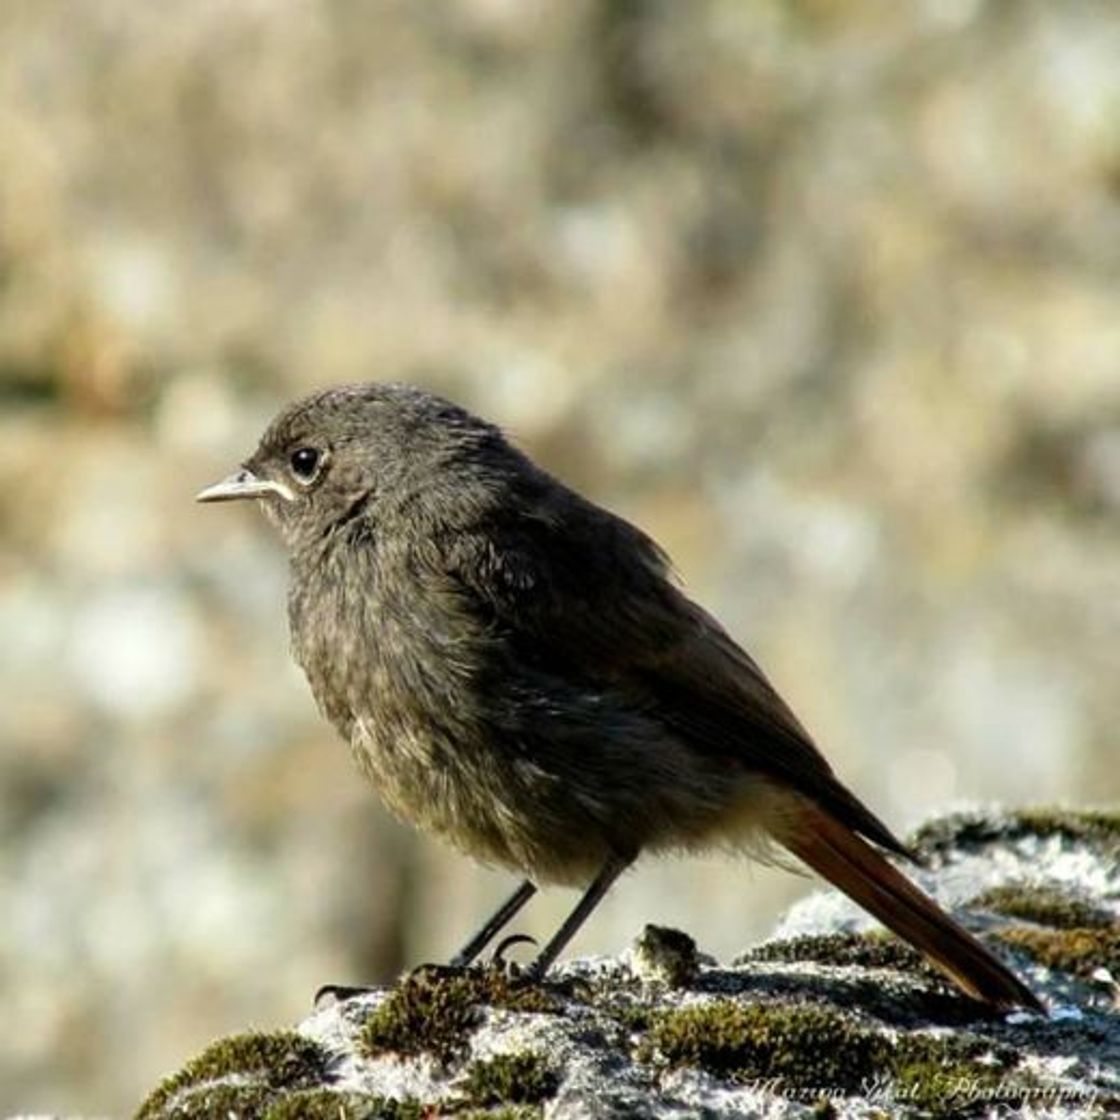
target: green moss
<point>1045,905</point>
<point>970,830</point>
<point>633,1017</point>
<point>954,1075</point>
<point>941,1088</point>
<point>666,955</point>
<point>323,1104</point>
<point>272,1062</point>
<point>434,1012</point>
<point>807,1047</point>
<point>867,950</point>
<point>525,1078</point>
<point>1078,951</point>
<point>217,1102</point>
<point>798,1044</point>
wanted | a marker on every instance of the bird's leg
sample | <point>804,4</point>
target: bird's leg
<point>465,955</point>
<point>496,922</point>
<point>614,867</point>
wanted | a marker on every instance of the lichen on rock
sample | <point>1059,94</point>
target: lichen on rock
<point>832,1020</point>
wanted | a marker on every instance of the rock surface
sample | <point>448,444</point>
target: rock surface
<point>829,1019</point>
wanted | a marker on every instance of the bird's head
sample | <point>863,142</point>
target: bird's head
<point>356,451</point>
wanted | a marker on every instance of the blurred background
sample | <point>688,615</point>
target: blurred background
<point>823,294</point>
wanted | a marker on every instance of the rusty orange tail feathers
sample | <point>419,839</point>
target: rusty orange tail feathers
<point>850,863</point>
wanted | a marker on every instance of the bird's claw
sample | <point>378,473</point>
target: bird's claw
<point>428,973</point>
<point>512,968</point>
<point>337,993</point>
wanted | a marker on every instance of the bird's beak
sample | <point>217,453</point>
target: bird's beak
<point>243,484</point>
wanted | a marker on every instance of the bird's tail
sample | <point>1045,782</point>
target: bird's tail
<point>847,861</point>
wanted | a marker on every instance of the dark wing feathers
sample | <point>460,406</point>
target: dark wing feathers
<point>715,695</point>
<point>583,595</point>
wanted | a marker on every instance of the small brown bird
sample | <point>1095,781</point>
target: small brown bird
<point>514,669</point>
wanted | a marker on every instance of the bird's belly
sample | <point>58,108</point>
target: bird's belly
<point>500,809</point>
<point>556,812</point>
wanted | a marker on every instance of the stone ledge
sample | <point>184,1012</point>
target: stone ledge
<point>831,1018</point>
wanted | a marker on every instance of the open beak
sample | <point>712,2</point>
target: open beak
<point>243,484</point>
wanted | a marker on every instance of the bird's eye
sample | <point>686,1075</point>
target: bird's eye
<point>305,463</point>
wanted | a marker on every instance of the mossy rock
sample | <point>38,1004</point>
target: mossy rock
<point>526,1078</point>
<point>953,1075</point>
<point>867,950</point>
<point>434,1012</point>
<point>666,956</point>
<point>242,1075</point>
<point>941,1088</point>
<point>1078,951</point>
<point>1044,904</point>
<point>963,831</point>
<point>919,994</point>
<point>795,1044</point>
<point>324,1104</point>
<point>801,1047</point>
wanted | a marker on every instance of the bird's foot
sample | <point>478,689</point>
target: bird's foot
<point>512,969</point>
<point>516,975</point>
<point>495,962</point>
<point>534,974</point>
<point>428,973</point>
<point>330,994</point>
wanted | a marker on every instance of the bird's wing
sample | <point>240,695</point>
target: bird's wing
<point>583,595</point>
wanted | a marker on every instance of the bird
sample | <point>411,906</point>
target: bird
<point>518,670</point>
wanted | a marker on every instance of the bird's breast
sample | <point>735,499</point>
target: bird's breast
<point>374,649</point>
